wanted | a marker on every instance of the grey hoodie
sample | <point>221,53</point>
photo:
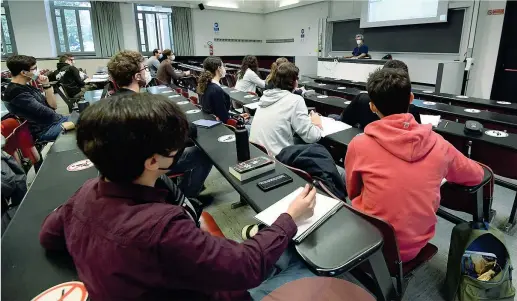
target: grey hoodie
<point>280,115</point>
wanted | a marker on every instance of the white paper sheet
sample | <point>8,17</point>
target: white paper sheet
<point>331,126</point>
<point>252,106</point>
<point>324,205</point>
<point>434,120</point>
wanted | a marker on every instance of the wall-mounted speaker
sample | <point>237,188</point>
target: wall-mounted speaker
<point>201,6</point>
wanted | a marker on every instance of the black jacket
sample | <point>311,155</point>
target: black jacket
<point>28,103</point>
<point>70,78</point>
<point>358,112</point>
<point>316,161</point>
<point>216,101</point>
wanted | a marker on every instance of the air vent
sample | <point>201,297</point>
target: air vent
<point>237,40</point>
<point>280,41</point>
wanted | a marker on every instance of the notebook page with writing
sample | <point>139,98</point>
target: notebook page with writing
<point>325,207</point>
<point>434,120</point>
<point>331,126</point>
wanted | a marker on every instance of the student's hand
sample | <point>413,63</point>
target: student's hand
<point>303,206</point>
<point>316,119</point>
<point>354,57</point>
<point>187,73</point>
<point>67,125</point>
<point>43,79</point>
<point>245,115</point>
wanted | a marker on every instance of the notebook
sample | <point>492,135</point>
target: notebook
<point>206,123</point>
<point>434,120</point>
<point>331,126</point>
<point>325,208</point>
<point>252,106</point>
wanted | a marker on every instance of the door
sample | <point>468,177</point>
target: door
<point>505,77</point>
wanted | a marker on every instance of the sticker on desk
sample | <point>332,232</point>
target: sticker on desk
<point>504,102</point>
<point>429,103</point>
<point>249,96</point>
<point>322,84</point>
<point>347,102</point>
<point>162,87</point>
<point>255,99</point>
<point>322,96</point>
<point>462,96</point>
<point>341,88</point>
<point>497,134</point>
<point>68,291</point>
<point>173,96</point>
<point>234,91</point>
<point>226,138</point>
<point>193,111</point>
<point>472,111</point>
<point>427,91</point>
<point>305,82</point>
<point>80,165</point>
<point>166,92</point>
<point>182,102</point>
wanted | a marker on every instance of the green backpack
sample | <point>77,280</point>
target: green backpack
<point>466,288</point>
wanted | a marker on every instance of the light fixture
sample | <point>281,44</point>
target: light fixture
<point>223,4</point>
<point>287,2</point>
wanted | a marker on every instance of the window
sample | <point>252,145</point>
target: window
<point>73,27</point>
<point>154,25</point>
<point>8,43</point>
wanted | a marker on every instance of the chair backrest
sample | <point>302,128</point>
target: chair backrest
<point>21,139</point>
<point>185,94</point>
<point>232,122</point>
<point>9,125</point>
<point>179,90</point>
<point>261,147</point>
<point>390,248</point>
<point>194,100</point>
<point>305,175</point>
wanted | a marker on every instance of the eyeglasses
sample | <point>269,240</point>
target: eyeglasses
<point>146,68</point>
<point>33,69</point>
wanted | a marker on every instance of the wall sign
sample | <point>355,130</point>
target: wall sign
<point>216,27</point>
<point>498,11</point>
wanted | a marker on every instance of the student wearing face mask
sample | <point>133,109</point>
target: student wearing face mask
<point>361,51</point>
<point>28,103</point>
<point>127,69</point>
<point>71,78</point>
<point>213,98</point>
<point>166,72</point>
<point>154,61</point>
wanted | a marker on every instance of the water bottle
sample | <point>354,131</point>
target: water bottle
<point>242,143</point>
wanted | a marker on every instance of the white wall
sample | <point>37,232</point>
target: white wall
<point>31,30</point>
<point>234,25</point>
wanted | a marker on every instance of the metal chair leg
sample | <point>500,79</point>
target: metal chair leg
<point>239,204</point>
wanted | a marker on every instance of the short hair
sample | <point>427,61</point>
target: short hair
<point>19,63</point>
<point>65,57</point>
<point>119,133</point>
<point>123,65</point>
<point>389,90</point>
<point>155,51</point>
<point>286,76</point>
<point>167,52</point>
<point>360,36</point>
<point>396,64</point>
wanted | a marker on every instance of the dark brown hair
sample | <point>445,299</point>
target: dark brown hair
<point>210,64</point>
<point>119,133</point>
<point>286,76</point>
<point>396,64</point>
<point>250,62</point>
<point>167,52</point>
<point>274,68</point>
<point>124,65</point>
<point>389,90</point>
<point>19,63</point>
<point>65,57</point>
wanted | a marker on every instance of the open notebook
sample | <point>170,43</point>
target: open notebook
<point>325,208</point>
<point>331,126</point>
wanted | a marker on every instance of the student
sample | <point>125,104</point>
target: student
<point>127,69</point>
<point>395,169</point>
<point>166,72</point>
<point>71,78</point>
<point>28,103</point>
<point>154,62</point>
<point>281,114</point>
<point>358,111</point>
<point>247,78</point>
<point>361,51</point>
<point>271,76</point>
<point>213,98</point>
<point>130,240</point>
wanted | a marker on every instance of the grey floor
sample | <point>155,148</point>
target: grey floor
<point>424,286</point>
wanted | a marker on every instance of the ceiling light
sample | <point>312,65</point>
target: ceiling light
<point>287,2</point>
<point>224,4</point>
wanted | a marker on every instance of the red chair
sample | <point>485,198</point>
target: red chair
<point>261,147</point>
<point>252,93</point>
<point>232,122</point>
<point>208,224</point>
<point>179,90</point>
<point>401,271</point>
<point>9,125</point>
<point>185,94</point>
<point>194,100</point>
<point>20,140</point>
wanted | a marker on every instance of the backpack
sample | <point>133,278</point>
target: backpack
<point>478,238</point>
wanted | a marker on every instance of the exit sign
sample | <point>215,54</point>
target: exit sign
<point>499,11</point>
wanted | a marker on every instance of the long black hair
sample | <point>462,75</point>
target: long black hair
<point>210,64</point>
<point>249,61</point>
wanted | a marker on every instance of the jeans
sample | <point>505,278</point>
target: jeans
<point>54,131</point>
<point>195,167</point>
<point>288,268</point>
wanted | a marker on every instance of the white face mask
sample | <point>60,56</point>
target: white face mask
<point>222,70</point>
<point>35,74</point>
<point>148,77</point>
<point>173,57</point>
<point>359,42</point>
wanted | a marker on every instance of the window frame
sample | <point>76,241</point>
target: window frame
<point>148,51</point>
<point>76,10</point>
<point>5,5</point>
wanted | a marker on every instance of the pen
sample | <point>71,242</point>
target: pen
<point>446,124</point>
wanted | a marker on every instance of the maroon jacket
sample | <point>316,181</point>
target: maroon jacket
<point>129,244</point>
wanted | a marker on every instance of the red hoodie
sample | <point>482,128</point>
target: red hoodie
<point>394,172</point>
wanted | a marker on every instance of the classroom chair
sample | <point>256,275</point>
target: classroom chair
<point>402,272</point>
<point>194,100</point>
<point>261,147</point>
<point>70,102</point>
<point>185,94</point>
<point>179,90</point>
<point>20,144</point>
<point>208,224</point>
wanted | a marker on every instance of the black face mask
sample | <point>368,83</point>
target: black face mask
<point>175,159</point>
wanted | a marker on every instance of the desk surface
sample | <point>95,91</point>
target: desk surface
<point>93,95</point>
<point>190,67</point>
<point>3,109</point>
